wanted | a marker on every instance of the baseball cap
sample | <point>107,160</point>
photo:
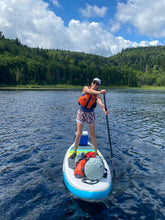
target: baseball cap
<point>98,80</point>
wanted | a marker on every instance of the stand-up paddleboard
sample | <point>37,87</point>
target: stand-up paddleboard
<point>77,186</point>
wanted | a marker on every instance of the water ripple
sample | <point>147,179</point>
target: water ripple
<point>36,129</point>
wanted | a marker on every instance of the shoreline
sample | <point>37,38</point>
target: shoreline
<point>65,86</point>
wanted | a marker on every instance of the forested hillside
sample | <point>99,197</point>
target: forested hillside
<point>148,63</point>
<point>20,64</point>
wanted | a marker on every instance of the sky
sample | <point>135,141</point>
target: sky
<point>101,27</point>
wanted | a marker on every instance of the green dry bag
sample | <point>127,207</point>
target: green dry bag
<point>94,168</point>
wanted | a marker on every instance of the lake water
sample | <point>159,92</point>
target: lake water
<point>36,129</point>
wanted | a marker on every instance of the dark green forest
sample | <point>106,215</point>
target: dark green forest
<point>22,65</point>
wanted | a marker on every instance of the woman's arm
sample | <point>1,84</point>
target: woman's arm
<point>102,106</point>
<point>86,89</point>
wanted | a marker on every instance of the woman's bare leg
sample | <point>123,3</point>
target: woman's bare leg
<point>78,136</point>
<point>93,136</point>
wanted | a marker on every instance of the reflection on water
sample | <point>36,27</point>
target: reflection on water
<point>36,129</point>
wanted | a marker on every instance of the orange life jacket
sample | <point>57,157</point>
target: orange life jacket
<point>87,101</point>
<point>79,170</point>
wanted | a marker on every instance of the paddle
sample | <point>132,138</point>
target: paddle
<point>109,137</point>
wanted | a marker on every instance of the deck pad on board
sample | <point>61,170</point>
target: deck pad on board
<point>80,149</point>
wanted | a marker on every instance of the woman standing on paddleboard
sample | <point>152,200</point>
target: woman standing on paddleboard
<point>88,100</point>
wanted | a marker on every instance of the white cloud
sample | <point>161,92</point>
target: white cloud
<point>147,43</point>
<point>56,3</point>
<point>93,11</point>
<point>147,16</point>
<point>91,38</point>
<point>115,27</point>
<point>31,22</point>
<point>36,26</point>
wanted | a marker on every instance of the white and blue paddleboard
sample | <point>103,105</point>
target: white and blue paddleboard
<point>85,190</point>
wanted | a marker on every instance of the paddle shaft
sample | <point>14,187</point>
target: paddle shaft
<point>109,137</point>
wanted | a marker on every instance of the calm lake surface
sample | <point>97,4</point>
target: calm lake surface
<point>36,129</point>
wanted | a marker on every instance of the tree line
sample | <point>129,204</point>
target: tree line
<point>22,65</point>
<point>148,64</point>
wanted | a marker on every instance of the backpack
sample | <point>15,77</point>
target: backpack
<point>79,157</point>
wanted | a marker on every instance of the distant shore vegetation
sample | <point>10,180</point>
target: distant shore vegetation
<point>65,86</point>
<point>25,67</point>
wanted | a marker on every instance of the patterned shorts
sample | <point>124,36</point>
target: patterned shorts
<point>88,117</point>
